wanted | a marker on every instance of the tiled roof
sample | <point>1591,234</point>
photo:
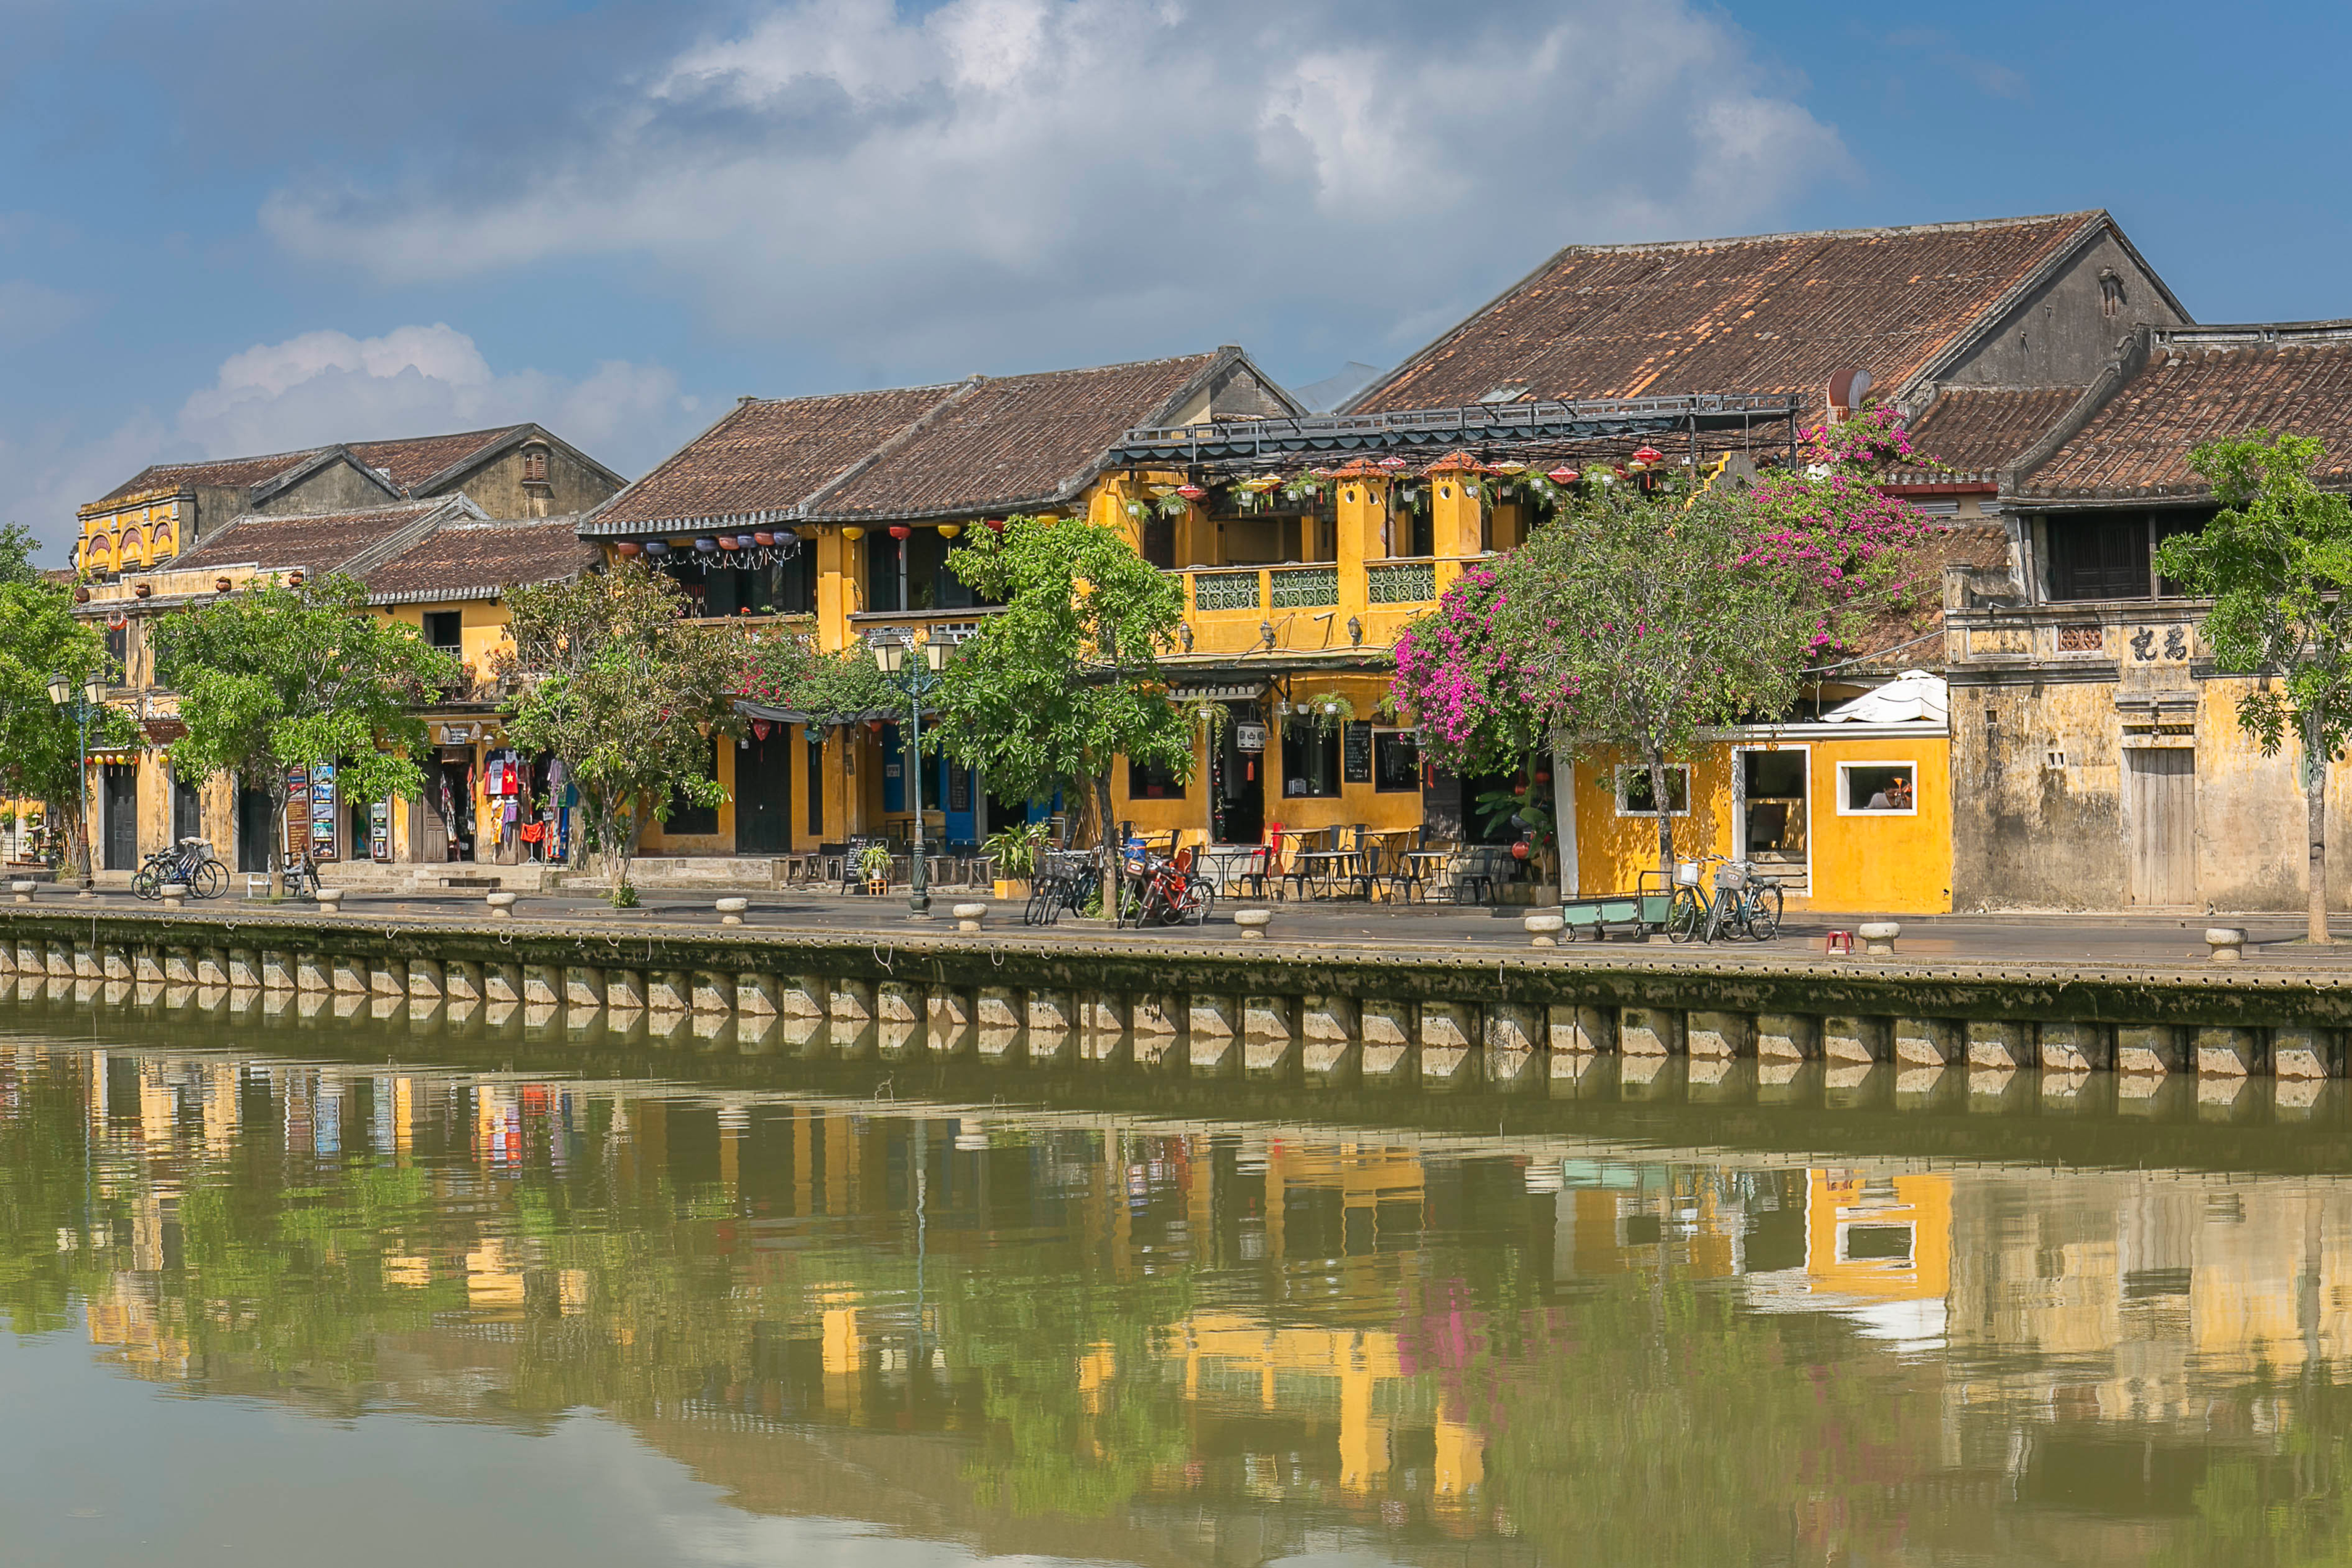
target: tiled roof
<point>216,471</point>
<point>2203,383</point>
<point>767,456</point>
<point>973,445</point>
<point>319,542</point>
<point>1770,314</point>
<point>409,462</point>
<point>468,560</point>
<point>1975,431</point>
<point>1006,440</point>
<point>416,459</point>
<point>1902,639</point>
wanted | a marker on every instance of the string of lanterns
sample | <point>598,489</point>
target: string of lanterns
<point>743,550</point>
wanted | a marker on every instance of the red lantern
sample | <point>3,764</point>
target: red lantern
<point>1519,850</point>
<point>1563,475</point>
<point>726,542</point>
<point>629,549</point>
<point>995,524</point>
<point>1191,492</point>
<point>1393,462</point>
<point>901,531</point>
<point>760,728</point>
<point>764,541</point>
<point>1648,457</point>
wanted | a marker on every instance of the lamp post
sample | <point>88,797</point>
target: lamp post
<point>86,702</point>
<point>918,678</point>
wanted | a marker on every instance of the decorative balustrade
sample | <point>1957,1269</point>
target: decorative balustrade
<point>1401,581</point>
<point>1226,591</point>
<point>1304,587</point>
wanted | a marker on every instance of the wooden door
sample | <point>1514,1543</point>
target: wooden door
<point>2161,816</point>
<point>763,794</point>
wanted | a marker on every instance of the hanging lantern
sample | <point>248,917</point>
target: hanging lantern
<point>995,524</point>
<point>853,531</point>
<point>950,529</point>
<point>1393,462</point>
<point>901,531</point>
<point>628,548</point>
<point>1563,475</point>
<point>1191,491</point>
<point>873,728</point>
<point>760,728</point>
<point>706,545</point>
<point>655,549</point>
<point>764,541</point>
<point>221,584</point>
<point>1648,457</point>
<point>295,578</point>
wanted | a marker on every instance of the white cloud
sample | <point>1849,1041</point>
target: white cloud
<point>327,386</point>
<point>1024,180</point>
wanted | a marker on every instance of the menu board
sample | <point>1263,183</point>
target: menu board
<point>1355,754</point>
<point>310,811</point>
<point>380,830</point>
<point>298,812</point>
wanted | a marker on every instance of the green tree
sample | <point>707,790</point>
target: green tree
<point>1065,678</point>
<point>18,547</point>
<point>276,678</point>
<point>2276,561</point>
<point>627,692</point>
<point>41,748</point>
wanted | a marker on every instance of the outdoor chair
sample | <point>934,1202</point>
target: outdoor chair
<point>1268,863</point>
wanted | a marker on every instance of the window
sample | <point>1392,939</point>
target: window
<point>534,465</point>
<point>2099,557</point>
<point>2111,292</point>
<point>1633,796</point>
<point>1311,760</point>
<point>685,817</point>
<point>1878,789</point>
<point>815,781</point>
<point>118,652</point>
<point>1396,762</point>
<point>1145,782</point>
<point>442,629</point>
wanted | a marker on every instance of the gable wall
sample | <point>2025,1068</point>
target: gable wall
<point>497,489</point>
<point>2060,336</point>
<point>338,487</point>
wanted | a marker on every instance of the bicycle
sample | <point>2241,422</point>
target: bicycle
<point>1742,906</point>
<point>190,862</point>
<point>1065,879</point>
<point>1174,893</point>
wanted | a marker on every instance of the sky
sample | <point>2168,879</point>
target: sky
<point>249,226</point>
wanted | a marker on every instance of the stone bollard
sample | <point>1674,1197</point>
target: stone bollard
<point>23,891</point>
<point>501,905</point>
<point>1253,922</point>
<point>730,911</point>
<point>175,897</point>
<point>331,900</point>
<point>2227,943</point>
<point>1878,937</point>
<point>968,916</point>
<point>1543,930</point>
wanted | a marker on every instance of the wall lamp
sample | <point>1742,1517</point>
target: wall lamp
<point>1356,631</point>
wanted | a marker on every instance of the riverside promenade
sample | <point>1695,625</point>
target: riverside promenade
<point>1432,999</point>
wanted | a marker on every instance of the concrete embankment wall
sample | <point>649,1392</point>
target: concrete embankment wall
<point>1361,1018</point>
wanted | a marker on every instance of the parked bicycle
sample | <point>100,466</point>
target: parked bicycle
<point>190,862</point>
<point>1166,892</point>
<point>1065,880</point>
<point>1731,902</point>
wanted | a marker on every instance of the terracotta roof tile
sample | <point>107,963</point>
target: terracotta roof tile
<point>768,457</point>
<point>319,542</point>
<point>1771,314</point>
<point>213,471</point>
<point>475,559</point>
<point>1976,430</point>
<point>2203,383</point>
<point>413,461</point>
<point>1011,440</point>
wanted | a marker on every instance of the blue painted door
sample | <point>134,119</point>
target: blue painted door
<point>962,805</point>
<point>894,772</point>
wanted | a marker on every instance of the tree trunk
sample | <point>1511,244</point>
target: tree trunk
<point>1114,855</point>
<point>1658,798</point>
<point>278,800</point>
<point>618,831</point>
<point>2314,796</point>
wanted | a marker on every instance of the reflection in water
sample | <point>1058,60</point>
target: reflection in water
<point>1120,1339</point>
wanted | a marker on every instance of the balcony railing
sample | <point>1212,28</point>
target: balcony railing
<point>1402,583</point>
<point>1304,587</point>
<point>1226,591</point>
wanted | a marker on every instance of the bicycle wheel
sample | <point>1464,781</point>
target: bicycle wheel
<point>147,883</point>
<point>1041,899</point>
<point>1764,912</point>
<point>1200,901</point>
<point>1685,917</point>
<point>211,880</point>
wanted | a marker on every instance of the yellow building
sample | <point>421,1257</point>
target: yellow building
<point>1849,813</point>
<point>438,565</point>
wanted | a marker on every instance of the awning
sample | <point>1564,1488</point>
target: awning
<point>1183,694</point>
<point>751,710</point>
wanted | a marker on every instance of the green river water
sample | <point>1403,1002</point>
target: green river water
<point>357,1298</point>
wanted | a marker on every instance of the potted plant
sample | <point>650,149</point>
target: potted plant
<point>874,867</point>
<point>1014,851</point>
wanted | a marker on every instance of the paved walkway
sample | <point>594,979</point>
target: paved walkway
<point>2079,939</point>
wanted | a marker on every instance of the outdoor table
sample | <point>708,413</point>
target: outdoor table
<point>1384,855</point>
<point>1424,866</point>
<point>1225,861</point>
<point>1323,866</point>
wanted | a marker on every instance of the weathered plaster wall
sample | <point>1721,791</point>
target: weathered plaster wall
<point>497,489</point>
<point>2061,334</point>
<point>337,486</point>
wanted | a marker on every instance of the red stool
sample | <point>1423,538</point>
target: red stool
<point>1836,941</point>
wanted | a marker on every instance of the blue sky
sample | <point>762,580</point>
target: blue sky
<point>249,225</point>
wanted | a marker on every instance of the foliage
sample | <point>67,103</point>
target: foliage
<point>277,678</point>
<point>1015,849</point>
<point>17,546</point>
<point>1632,622</point>
<point>874,861</point>
<point>1855,549</point>
<point>788,670</point>
<point>1871,437</point>
<point>2276,562</point>
<point>41,748</point>
<point>627,692</point>
<point>1327,710</point>
<point>1065,678</point>
<point>1525,805</point>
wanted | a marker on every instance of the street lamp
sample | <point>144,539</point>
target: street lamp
<point>918,678</point>
<point>87,702</point>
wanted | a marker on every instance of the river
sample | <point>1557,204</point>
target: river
<point>371,1298</point>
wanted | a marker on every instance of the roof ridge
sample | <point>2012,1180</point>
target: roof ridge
<point>1960,226</point>
<point>807,504</point>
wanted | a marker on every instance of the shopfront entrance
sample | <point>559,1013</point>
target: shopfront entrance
<point>763,792</point>
<point>1237,778</point>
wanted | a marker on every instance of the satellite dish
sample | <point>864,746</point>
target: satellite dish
<point>1847,388</point>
